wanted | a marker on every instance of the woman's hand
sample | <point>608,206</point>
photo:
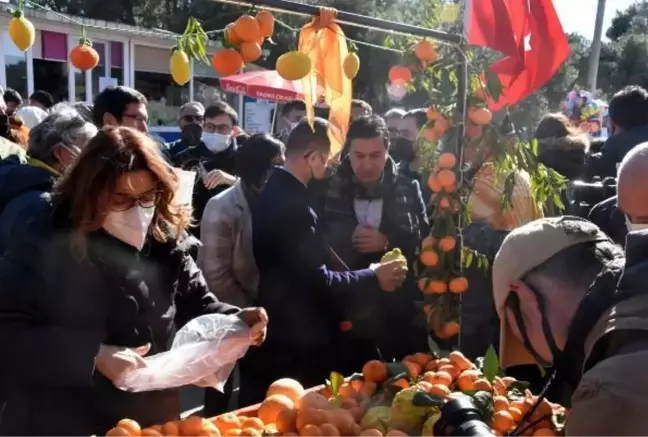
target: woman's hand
<point>257,320</point>
<point>115,362</point>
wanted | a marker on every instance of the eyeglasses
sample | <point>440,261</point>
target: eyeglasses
<point>192,118</point>
<point>224,129</point>
<point>123,202</point>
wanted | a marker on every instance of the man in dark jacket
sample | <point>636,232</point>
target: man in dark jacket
<point>190,122</point>
<point>306,301</point>
<point>607,216</point>
<point>24,188</point>
<point>629,116</point>
<point>212,158</point>
<point>368,209</point>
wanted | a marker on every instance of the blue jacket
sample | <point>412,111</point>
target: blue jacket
<point>24,191</point>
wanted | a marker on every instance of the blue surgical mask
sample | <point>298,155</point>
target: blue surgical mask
<point>216,142</point>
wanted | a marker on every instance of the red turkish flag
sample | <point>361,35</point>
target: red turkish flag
<point>529,33</point>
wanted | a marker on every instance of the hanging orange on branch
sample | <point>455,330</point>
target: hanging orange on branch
<point>227,61</point>
<point>351,65</point>
<point>480,116</point>
<point>21,30</point>
<point>266,22</point>
<point>84,56</point>
<point>399,75</point>
<point>425,52</point>
<point>247,28</point>
<point>250,51</point>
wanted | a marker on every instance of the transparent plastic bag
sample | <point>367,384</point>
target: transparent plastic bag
<point>203,353</point>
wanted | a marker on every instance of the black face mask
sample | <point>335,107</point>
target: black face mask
<point>402,150</point>
<point>191,134</point>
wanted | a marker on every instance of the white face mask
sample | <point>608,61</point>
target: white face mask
<point>632,227</point>
<point>216,142</point>
<point>130,226</point>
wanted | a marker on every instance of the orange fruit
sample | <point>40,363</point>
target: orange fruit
<point>480,116</point>
<point>431,135</point>
<point>544,408</point>
<point>250,51</point>
<point>151,432</point>
<point>459,360</point>
<point>432,114</point>
<point>439,390</point>
<point>21,31</point>
<point>329,430</point>
<point>342,419</point>
<point>253,422</point>
<point>432,366</point>
<point>451,370</point>
<point>272,406</point>
<point>157,428</point>
<point>414,369</point>
<point>483,384</point>
<point>313,400</point>
<point>437,287</point>
<point>266,23</point>
<point>422,358</point>
<point>368,388</point>
<point>458,285</point>
<point>225,422</point>
<point>400,75</point>
<point>293,65</point>
<point>444,203</point>
<point>118,431</point>
<point>311,431</point>
<point>447,244</point>
<point>227,61</point>
<point>286,420</point>
<point>233,433</point>
<point>449,330</point>
<point>346,391</point>
<point>84,56</point>
<point>372,432</point>
<point>427,243</point>
<point>443,362</point>
<point>501,403</point>
<point>441,125</point>
<point>434,184</point>
<point>396,433</point>
<point>441,378</point>
<point>251,432</point>
<point>247,28</point>
<point>288,387</point>
<point>375,371</point>
<point>193,425</point>
<point>515,414</point>
<point>310,416</point>
<point>502,421</point>
<point>230,36</point>
<point>171,429</point>
<point>131,426</point>
<point>425,51</point>
<point>402,383</point>
<point>429,258</point>
<point>447,160</point>
<point>424,385</point>
<point>466,379</point>
<point>446,178</point>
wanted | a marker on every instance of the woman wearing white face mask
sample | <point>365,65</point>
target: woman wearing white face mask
<point>102,279</point>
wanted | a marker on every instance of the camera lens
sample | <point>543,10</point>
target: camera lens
<point>460,417</point>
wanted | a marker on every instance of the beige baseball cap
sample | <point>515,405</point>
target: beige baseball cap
<point>524,249</point>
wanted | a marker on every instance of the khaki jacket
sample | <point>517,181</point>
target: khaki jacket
<point>226,257</point>
<point>612,397</point>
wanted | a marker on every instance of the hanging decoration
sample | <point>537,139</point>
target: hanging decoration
<point>180,66</point>
<point>323,41</point>
<point>20,29</point>
<point>293,65</point>
<point>84,56</point>
<point>351,65</point>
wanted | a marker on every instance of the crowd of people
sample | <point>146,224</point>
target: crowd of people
<point>101,262</point>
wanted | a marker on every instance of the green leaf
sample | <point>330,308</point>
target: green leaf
<point>423,399</point>
<point>396,369</point>
<point>493,85</point>
<point>516,389</point>
<point>335,381</point>
<point>491,364</point>
<point>483,400</point>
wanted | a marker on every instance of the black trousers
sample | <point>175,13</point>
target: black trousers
<point>217,403</point>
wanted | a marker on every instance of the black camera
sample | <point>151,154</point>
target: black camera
<point>460,417</point>
<point>582,196</point>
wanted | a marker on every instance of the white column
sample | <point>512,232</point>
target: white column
<point>191,82</point>
<point>88,86</point>
<point>125,63</point>
<point>108,61</point>
<point>30,72</point>
<point>71,43</point>
<point>3,70</point>
<point>131,66</point>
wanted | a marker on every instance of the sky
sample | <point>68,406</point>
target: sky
<point>579,15</point>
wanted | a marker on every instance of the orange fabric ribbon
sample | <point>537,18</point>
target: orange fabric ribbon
<point>323,41</point>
